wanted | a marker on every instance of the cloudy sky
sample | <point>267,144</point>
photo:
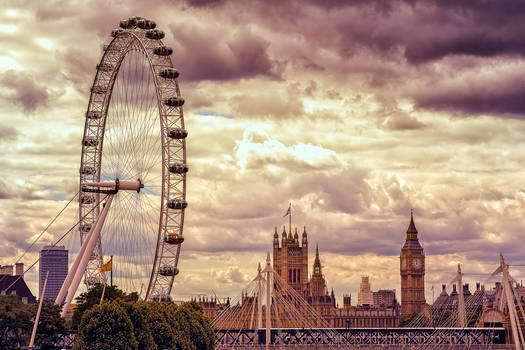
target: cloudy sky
<point>353,111</point>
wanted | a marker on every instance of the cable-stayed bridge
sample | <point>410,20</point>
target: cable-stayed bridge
<point>271,314</point>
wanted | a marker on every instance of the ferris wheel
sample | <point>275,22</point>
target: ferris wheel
<point>133,165</point>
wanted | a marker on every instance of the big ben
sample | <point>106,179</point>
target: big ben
<point>412,266</point>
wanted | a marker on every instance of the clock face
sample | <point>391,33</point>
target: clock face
<point>417,263</point>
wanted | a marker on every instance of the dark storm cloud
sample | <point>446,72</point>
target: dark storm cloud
<point>502,96</point>
<point>204,54</point>
<point>24,90</point>
<point>431,30</point>
<point>400,120</point>
<point>7,133</point>
<point>4,191</point>
<point>204,3</point>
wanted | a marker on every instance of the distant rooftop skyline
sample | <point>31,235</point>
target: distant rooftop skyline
<point>355,112</point>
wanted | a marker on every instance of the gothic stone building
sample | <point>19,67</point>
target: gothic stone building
<point>290,261</point>
<point>412,267</point>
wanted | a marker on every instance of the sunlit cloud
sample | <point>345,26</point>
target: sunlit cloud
<point>356,119</point>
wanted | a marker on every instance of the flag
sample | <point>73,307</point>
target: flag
<point>289,211</point>
<point>107,266</point>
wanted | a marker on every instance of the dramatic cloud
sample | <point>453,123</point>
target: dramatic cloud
<point>23,90</point>
<point>355,112</point>
<point>219,54</point>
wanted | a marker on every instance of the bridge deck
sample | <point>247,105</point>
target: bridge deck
<point>397,337</point>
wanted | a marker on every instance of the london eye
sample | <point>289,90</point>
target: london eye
<point>134,160</point>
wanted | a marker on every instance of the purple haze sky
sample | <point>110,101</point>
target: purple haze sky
<point>354,111</point>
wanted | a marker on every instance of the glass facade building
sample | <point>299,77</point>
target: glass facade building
<point>54,260</point>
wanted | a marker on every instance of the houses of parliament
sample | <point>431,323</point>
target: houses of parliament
<point>377,309</point>
<point>373,309</point>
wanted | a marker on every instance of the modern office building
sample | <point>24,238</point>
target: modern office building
<point>55,260</point>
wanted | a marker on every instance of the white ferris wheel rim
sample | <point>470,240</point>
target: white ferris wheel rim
<point>143,40</point>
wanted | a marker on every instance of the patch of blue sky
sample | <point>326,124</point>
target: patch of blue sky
<point>58,197</point>
<point>209,112</point>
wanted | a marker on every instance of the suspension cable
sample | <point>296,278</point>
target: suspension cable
<point>44,230</point>
<point>54,244</point>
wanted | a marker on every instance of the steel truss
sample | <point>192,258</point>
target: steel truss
<point>362,336</point>
<point>133,38</point>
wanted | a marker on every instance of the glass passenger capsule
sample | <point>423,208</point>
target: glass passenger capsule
<point>177,133</point>
<point>104,67</point>
<point>90,141</point>
<point>169,73</point>
<point>174,238</point>
<point>116,32</point>
<point>174,101</point>
<point>163,51</point>
<point>87,170</point>
<point>168,271</point>
<point>155,34</point>
<point>178,168</point>
<point>178,203</point>
<point>146,24</point>
<point>93,115</point>
<point>87,199</point>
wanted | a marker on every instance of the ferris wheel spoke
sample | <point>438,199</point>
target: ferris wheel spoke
<point>132,146</point>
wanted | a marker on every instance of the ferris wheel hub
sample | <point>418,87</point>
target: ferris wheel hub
<point>112,186</point>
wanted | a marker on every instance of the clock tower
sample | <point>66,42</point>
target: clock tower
<point>412,263</point>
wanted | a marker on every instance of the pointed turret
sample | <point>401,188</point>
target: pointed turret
<point>412,241</point>
<point>411,231</point>
<point>317,261</point>
<point>284,236</point>
<point>275,239</point>
<point>305,238</point>
<point>296,236</point>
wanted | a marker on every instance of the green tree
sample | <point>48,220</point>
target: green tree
<point>140,325</point>
<point>443,319</point>
<point>472,318</point>
<point>201,331</point>
<point>180,325</point>
<point>106,327</point>
<point>406,320</point>
<point>159,327</point>
<point>15,323</point>
<point>87,300</point>
<point>51,327</point>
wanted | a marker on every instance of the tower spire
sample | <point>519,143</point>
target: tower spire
<point>317,261</point>
<point>412,231</point>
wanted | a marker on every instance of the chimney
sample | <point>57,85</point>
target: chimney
<point>477,286</point>
<point>443,287</point>
<point>6,270</point>
<point>19,269</point>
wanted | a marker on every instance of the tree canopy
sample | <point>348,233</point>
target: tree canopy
<point>125,324</point>
<point>17,319</point>
<point>87,300</point>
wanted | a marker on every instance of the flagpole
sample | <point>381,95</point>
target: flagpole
<point>290,227</point>
<point>103,291</point>
<point>111,272</point>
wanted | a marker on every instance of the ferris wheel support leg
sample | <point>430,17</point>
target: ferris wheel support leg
<point>67,282</point>
<point>86,256</point>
